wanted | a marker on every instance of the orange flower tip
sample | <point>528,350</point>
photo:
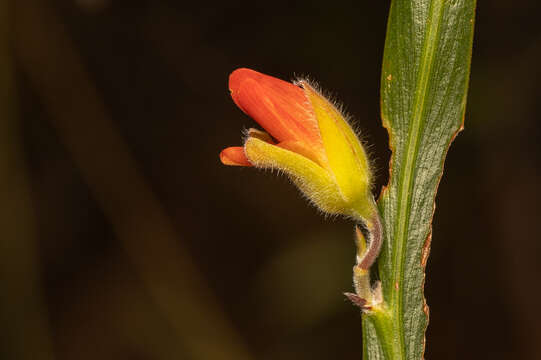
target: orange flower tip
<point>280,107</point>
<point>239,75</point>
<point>242,76</point>
<point>236,80</point>
<point>234,156</point>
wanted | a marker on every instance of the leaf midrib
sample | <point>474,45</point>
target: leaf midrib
<point>406,182</point>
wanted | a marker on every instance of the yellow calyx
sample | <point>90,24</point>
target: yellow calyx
<point>337,181</point>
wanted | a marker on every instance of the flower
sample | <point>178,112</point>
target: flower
<point>306,137</point>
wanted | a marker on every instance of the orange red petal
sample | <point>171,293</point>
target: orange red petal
<point>280,107</point>
<point>234,156</point>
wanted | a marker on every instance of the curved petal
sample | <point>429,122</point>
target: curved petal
<point>280,107</point>
<point>234,156</point>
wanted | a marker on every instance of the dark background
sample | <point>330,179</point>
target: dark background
<point>125,238</point>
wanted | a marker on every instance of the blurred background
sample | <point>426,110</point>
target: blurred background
<point>123,237</point>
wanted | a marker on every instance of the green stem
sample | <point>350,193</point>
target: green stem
<point>383,323</point>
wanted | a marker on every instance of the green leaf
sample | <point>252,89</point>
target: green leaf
<point>423,97</point>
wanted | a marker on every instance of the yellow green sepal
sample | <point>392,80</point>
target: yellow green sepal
<point>314,181</point>
<point>346,159</point>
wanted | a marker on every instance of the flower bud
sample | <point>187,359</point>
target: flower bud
<point>307,138</point>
